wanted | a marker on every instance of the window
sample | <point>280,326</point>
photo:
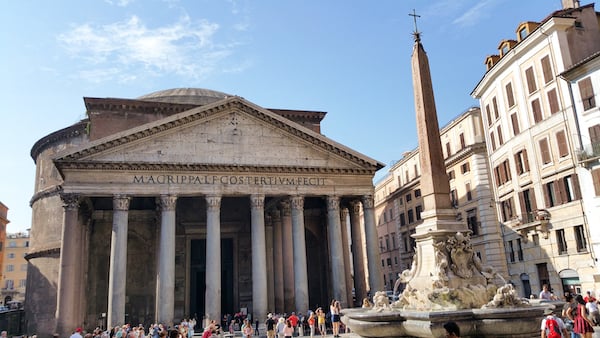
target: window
<point>472,221</point>
<point>451,175</point>
<point>12,244</point>
<point>493,140</point>
<point>387,242</point>
<point>488,114</point>
<point>507,209</point>
<point>550,194</point>
<point>10,268</point>
<point>418,211</point>
<point>515,124</point>
<point>500,139</point>
<point>495,105</point>
<point>522,162</point>
<point>502,172</point>
<point>383,264</point>
<point>23,267</point>
<point>408,198</point>
<point>547,69</point>
<point>510,98</point>
<point>569,188</point>
<point>11,255</point>
<point>402,219</point>
<point>411,216</point>
<point>537,110</point>
<point>453,198</point>
<point>519,250</point>
<point>22,283</point>
<point>595,136</point>
<point>465,168</point>
<point>385,217</point>
<point>545,151</point>
<point>393,240</point>
<point>522,34</point>
<point>511,252</point>
<point>417,193</point>
<point>528,205</point>
<point>553,101</point>
<point>587,93</point>
<point>395,260</point>
<point>561,242</point>
<point>561,140</point>
<point>530,80</point>
<point>468,191</point>
<point>389,261</point>
<point>448,150</point>
<point>462,140</point>
<point>580,238</point>
<point>596,179</point>
<point>9,284</point>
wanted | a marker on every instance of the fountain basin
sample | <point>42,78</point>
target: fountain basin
<point>497,322</point>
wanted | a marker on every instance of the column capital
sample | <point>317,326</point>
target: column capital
<point>167,202</point>
<point>275,215</point>
<point>368,202</point>
<point>333,203</point>
<point>257,201</point>
<point>297,202</point>
<point>70,201</point>
<point>354,207</point>
<point>121,202</point>
<point>213,201</point>
<point>286,208</point>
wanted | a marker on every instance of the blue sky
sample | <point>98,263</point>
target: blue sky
<point>350,58</point>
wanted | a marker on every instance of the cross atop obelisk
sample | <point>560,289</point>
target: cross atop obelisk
<point>416,33</point>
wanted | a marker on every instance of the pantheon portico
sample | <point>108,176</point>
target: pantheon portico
<point>192,202</point>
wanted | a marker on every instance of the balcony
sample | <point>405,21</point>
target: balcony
<point>589,153</point>
<point>536,220</point>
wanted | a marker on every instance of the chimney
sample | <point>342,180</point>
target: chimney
<point>570,4</point>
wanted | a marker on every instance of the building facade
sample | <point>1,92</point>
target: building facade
<point>192,202</point>
<point>3,223</point>
<point>398,200</point>
<point>533,140</point>
<point>14,269</point>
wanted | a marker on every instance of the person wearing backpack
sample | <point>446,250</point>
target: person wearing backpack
<point>552,326</point>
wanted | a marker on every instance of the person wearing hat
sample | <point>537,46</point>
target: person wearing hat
<point>270,326</point>
<point>552,326</point>
<point>77,333</point>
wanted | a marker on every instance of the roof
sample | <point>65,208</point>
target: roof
<point>197,96</point>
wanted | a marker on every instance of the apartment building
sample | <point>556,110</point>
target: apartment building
<point>3,223</point>
<point>398,202</point>
<point>534,143</point>
<point>14,270</point>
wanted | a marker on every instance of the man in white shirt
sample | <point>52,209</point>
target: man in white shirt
<point>77,333</point>
<point>593,313</point>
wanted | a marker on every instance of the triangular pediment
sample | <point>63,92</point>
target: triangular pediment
<point>229,133</point>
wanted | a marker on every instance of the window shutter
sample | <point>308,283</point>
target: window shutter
<point>547,196</point>
<point>560,192</point>
<point>576,189</point>
<point>532,199</point>
<point>563,150</point>
<point>526,160</point>
<point>596,179</point>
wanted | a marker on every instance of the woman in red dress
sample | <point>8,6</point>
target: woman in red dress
<point>582,324</point>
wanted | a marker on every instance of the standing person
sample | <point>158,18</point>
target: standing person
<point>592,309</point>
<point>293,320</point>
<point>545,293</point>
<point>311,324</point>
<point>552,326</point>
<point>452,330</point>
<point>335,317</point>
<point>288,330</point>
<point>280,327</point>
<point>588,297</point>
<point>568,312</point>
<point>247,330</point>
<point>582,324</point>
<point>270,326</point>
<point>321,322</point>
<point>77,333</point>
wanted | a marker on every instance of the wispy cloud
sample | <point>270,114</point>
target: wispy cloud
<point>120,3</point>
<point>476,13</point>
<point>185,48</point>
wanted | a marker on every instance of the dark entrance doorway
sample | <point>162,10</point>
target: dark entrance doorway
<point>198,277</point>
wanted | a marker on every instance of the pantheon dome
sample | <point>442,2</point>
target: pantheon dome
<point>196,96</point>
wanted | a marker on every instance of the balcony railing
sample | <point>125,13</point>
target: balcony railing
<point>589,152</point>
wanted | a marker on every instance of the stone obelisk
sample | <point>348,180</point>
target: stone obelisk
<point>439,218</point>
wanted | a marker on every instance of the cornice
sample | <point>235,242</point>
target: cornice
<point>194,167</point>
<point>207,111</point>
<point>129,105</point>
<point>465,152</point>
<point>63,134</point>
<point>51,252</point>
<point>52,191</point>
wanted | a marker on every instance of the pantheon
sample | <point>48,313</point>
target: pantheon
<point>192,202</point>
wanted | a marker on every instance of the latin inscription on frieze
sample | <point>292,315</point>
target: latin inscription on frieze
<point>228,180</point>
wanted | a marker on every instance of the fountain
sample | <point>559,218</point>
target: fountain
<point>447,281</point>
